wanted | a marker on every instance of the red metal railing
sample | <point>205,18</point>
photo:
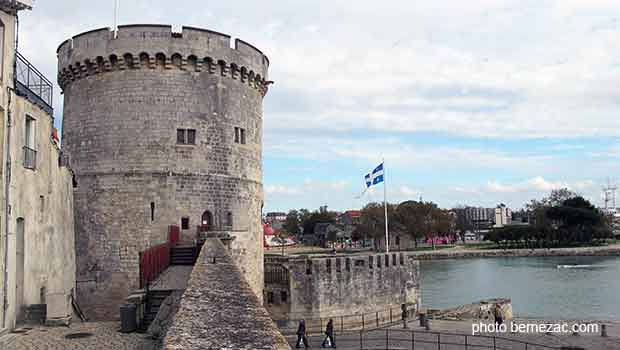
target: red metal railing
<point>173,234</point>
<point>153,262</point>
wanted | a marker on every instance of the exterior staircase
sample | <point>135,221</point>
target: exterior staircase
<point>183,255</point>
<point>154,300</point>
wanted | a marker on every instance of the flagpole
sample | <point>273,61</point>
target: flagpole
<point>387,239</point>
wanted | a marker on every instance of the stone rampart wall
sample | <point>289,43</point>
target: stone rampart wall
<point>325,286</point>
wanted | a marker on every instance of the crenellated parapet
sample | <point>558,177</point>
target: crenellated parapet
<point>135,47</point>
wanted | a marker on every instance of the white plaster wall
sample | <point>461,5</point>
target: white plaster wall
<point>49,228</point>
<point>6,76</point>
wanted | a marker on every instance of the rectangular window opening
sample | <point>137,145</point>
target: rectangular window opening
<point>371,262</point>
<point>348,264</point>
<point>236,135</point>
<point>191,136</point>
<point>181,136</point>
<point>309,267</point>
<point>185,223</point>
<point>283,296</point>
<point>243,136</point>
<point>30,153</point>
<point>152,211</point>
<point>269,297</point>
<point>338,265</point>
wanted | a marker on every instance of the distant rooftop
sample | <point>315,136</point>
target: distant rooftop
<point>33,84</point>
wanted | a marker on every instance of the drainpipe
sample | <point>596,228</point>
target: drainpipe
<point>7,182</point>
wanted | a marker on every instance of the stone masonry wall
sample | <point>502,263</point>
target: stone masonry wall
<point>321,287</point>
<point>219,310</point>
<point>126,95</point>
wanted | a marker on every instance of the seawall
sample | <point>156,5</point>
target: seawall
<point>613,250</point>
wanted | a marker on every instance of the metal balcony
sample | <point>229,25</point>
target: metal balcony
<point>30,158</point>
<point>33,84</point>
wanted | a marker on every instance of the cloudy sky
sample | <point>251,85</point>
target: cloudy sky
<point>475,102</point>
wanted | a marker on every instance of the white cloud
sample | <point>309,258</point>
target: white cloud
<point>281,190</point>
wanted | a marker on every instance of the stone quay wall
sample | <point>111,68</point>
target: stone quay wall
<point>613,250</point>
<point>219,310</point>
<point>327,286</point>
<point>131,98</point>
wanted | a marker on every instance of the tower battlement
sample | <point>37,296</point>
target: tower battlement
<point>149,46</point>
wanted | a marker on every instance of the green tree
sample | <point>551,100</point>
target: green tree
<point>292,222</point>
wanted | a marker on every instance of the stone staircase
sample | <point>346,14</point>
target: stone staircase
<point>183,255</point>
<point>155,298</point>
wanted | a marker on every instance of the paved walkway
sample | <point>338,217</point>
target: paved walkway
<point>174,277</point>
<point>104,335</point>
<point>397,339</point>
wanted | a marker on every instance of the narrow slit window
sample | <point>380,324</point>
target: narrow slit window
<point>229,219</point>
<point>371,262</point>
<point>236,135</point>
<point>242,131</point>
<point>152,211</point>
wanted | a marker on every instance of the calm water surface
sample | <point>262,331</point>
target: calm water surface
<point>540,287</point>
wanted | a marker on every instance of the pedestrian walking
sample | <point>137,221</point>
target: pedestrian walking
<point>301,335</point>
<point>497,313</point>
<point>329,335</point>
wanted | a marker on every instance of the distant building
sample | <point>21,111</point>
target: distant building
<point>275,216</point>
<point>503,216</point>
<point>477,217</point>
<point>350,217</point>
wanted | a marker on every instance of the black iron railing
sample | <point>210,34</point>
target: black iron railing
<point>30,158</point>
<point>344,323</point>
<point>33,84</point>
<point>402,339</point>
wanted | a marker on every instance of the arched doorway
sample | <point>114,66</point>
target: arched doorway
<point>207,221</point>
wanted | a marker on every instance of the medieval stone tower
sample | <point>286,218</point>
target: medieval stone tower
<point>162,128</point>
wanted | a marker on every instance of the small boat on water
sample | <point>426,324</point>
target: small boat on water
<point>575,266</point>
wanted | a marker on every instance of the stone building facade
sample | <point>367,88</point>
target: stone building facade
<point>37,257</point>
<point>162,128</point>
<point>327,286</point>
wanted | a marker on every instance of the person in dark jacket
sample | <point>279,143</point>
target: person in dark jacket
<point>497,314</point>
<point>329,335</point>
<point>301,335</point>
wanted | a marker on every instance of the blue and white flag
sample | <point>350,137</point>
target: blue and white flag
<point>375,177</point>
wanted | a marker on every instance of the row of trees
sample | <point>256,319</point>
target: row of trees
<point>416,219</point>
<point>562,218</point>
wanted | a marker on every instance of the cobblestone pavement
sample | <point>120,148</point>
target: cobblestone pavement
<point>173,278</point>
<point>104,336</point>
<point>399,339</point>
